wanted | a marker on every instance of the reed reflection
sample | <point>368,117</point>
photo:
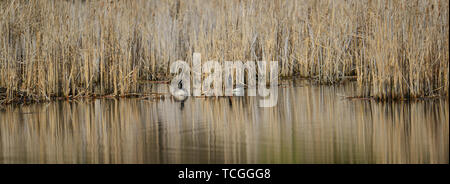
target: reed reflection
<point>310,124</point>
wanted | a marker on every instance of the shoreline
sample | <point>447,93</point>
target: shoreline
<point>26,100</point>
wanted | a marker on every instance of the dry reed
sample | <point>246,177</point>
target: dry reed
<point>397,49</point>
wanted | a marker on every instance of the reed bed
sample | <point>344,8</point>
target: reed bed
<point>396,49</point>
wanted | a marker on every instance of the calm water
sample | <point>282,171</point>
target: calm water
<point>310,124</point>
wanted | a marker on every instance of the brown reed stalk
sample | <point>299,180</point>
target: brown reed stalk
<point>397,49</point>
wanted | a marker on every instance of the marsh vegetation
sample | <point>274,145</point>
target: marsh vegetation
<point>394,49</point>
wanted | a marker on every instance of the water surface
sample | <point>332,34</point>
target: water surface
<point>310,124</point>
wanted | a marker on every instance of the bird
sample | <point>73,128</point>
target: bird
<point>239,90</point>
<point>180,94</point>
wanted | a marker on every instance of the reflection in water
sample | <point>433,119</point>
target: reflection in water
<point>310,124</point>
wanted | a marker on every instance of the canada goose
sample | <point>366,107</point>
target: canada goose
<point>180,94</point>
<point>239,90</point>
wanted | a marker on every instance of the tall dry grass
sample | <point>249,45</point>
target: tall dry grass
<point>397,49</point>
<point>404,49</point>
